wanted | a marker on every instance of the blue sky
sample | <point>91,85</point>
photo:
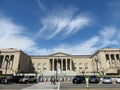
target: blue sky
<point>42,27</point>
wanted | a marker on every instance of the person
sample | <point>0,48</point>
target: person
<point>52,80</point>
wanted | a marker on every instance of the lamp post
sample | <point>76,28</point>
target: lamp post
<point>56,71</point>
<point>57,61</point>
<point>96,60</point>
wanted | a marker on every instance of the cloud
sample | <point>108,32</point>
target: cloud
<point>64,22</point>
<point>13,36</point>
<point>41,6</point>
<point>107,37</point>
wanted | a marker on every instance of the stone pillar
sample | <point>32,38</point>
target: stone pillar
<point>52,64</point>
<point>49,65</point>
<point>110,60</point>
<point>115,62</point>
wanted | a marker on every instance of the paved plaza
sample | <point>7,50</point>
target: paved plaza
<point>44,86</point>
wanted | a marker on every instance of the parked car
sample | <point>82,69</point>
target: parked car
<point>11,79</point>
<point>118,79</point>
<point>2,79</point>
<point>78,79</point>
<point>107,80</point>
<point>94,79</point>
<point>14,79</point>
<point>28,79</point>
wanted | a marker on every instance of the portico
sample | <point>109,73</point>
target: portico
<point>62,64</point>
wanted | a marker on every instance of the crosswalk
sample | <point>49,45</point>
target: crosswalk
<point>43,86</point>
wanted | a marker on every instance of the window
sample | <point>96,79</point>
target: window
<point>80,65</point>
<point>112,57</point>
<point>117,56</point>
<point>39,66</point>
<point>1,60</point>
<point>107,57</point>
<point>44,66</point>
<point>86,65</point>
<point>75,66</point>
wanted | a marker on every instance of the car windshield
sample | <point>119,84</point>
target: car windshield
<point>78,76</point>
<point>93,77</point>
<point>118,77</point>
<point>106,77</point>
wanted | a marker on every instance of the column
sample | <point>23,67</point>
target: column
<point>52,64</point>
<point>110,60</point>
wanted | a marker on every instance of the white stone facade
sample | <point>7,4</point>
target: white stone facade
<point>106,60</point>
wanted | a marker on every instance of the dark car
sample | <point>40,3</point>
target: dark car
<point>78,79</point>
<point>2,79</point>
<point>94,79</point>
<point>14,79</point>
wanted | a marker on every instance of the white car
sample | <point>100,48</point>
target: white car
<point>118,79</point>
<point>107,80</point>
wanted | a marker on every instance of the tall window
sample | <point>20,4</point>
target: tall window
<point>44,66</point>
<point>80,65</point>
<point>112,57</point>
<point>39,66</point>
<point>1,60</point>
<point>75,66</point>
<point>117,56</point>
<point>86,65</point>
<point>107,57</point>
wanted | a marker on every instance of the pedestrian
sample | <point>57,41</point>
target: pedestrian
<point>51,80</point>
<point>54,81</point>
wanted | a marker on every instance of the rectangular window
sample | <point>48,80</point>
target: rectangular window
<point>44,66</point>
<point>75,66</point>
<point>86,65</point>
<point>112,57</point>
<point>117,56</point>
<point>80,65</point>
<point>1,60</point>
<point>107,57</point>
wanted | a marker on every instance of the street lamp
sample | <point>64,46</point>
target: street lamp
<point>96,60</point>
<point>57,61</point>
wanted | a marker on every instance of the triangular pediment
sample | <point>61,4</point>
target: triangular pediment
<point>59,54</point>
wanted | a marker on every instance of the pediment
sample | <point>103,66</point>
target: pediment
<point>59,54</point>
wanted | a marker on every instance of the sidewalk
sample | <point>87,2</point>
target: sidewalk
<point>43,86</point>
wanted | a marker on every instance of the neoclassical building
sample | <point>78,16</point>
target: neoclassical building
<point>103,61</point>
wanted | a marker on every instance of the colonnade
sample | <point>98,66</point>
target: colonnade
<point>6,61</point>
<point>62,64</point>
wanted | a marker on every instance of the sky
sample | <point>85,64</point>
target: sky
<point>43,27</point>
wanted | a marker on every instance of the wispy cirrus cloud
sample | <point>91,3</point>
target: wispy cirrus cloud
<point>107,37</point>
<point>13,36</point>
<point>66,21</point>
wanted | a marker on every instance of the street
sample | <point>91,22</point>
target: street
<point>59,86</point>
<point>100,86</point>
<point>14,86</point>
